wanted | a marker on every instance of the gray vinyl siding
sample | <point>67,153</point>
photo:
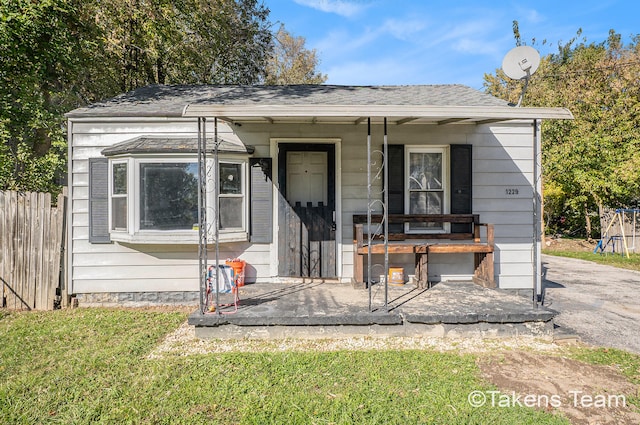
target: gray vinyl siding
<point>117,267</point>
<point>501,160</point>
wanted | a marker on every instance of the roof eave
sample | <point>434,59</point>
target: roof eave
<point>398,113</point>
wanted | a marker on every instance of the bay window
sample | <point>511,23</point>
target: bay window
<point>155,199</point>
<point>168,195</point>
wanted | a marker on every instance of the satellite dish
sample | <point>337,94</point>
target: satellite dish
<point>520,63</point>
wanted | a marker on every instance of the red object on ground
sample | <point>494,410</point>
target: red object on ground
<point>238,266</point>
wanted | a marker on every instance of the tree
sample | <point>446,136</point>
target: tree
<point>41,45</point>
<point>291,62</point>
<point>591,162</point>
<point>184,41</point>
<point>56,55</point>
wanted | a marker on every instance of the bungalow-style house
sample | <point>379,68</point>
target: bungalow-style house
<point>299,154</point>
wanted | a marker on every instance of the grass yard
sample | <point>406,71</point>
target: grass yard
<point>582,250</point>
<point>90,365</point>
<point>627,363</point>
<point>632,263</point>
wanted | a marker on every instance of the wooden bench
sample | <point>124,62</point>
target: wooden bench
<point>421,244</point>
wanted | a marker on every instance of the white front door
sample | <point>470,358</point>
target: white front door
<point>307,178</point>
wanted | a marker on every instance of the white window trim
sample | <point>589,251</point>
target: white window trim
<point>232,234</point>
<point>112,195</point>
<point>134,234</point>
<point>446,185</point>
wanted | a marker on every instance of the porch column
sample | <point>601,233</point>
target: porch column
<point>202,212</point>
<point>537,213</point>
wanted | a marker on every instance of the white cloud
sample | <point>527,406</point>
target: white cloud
<point>472,29</point>
<point>341,43</point>
<point>530,15</point>
<point>476,46</point>
<point>415,47</point>
<point>339,7</point>
<point>344,43</point>
<point>405,30</point>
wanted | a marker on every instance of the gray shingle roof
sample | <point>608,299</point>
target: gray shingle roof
<point>170,101</point>
<point>149,145</point>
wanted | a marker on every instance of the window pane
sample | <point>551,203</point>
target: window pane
<point>120,179</point>
<point>425,171</point>
<point>230,178</point>
<point>425,203</point>
<point>231,213</point>
<point>168,196</point>
<point>119,213</point>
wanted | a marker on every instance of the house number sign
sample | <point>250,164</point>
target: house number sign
<point>511,191</point>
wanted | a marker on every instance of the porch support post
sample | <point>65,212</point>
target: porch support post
<point>537,213</point>
<point>216,217</point>
<point>369,209</point>
<point>202,212</point>
<point>385,217</point>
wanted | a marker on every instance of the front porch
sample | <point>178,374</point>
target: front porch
<point>332,310</point>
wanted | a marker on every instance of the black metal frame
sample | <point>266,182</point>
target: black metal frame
<point>203,213</point>
<point>384,202</point>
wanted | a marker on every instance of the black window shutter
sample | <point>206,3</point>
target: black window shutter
<point>460,169</point>
<point>99,200</point>
<point>396,184</point>
<point>261,200</point>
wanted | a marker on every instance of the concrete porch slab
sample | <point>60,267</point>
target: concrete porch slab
<point>310,310</point>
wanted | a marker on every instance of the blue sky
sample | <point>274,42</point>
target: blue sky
<point>376,42</point>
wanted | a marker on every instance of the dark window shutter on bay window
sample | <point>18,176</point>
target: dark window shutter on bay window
<point>395,161</point>
<point>261,200</point>
<point>99,200</point>
<point>460,178</point>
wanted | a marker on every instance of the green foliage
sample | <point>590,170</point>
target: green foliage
<point>291,62</point>
<point>90,366</point>
<point>56,55</point>
<point>183,42</point>
<point>38,53</point>
<point>592,161</point>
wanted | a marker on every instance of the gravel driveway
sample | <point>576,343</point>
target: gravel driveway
<point>601,304</point>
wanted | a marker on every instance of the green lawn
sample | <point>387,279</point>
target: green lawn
<point>627,363</point>
<point>89,365</point>
<point>616,260</point>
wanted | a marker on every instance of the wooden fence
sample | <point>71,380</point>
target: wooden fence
<point>32,237</point>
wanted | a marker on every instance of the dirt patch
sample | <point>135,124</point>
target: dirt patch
<point>183,342</point>
<point>585,394</point>
<point>568,244</point>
